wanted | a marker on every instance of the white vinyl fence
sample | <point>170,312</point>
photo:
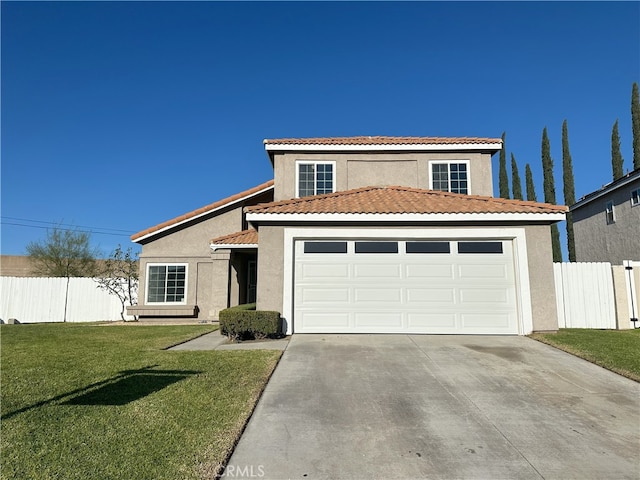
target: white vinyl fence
<point>37,299</point>
<point>585,295</point>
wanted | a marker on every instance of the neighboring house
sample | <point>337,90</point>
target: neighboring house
<point>606,223</point>
<point>362,235</point>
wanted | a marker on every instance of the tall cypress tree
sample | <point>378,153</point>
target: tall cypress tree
<point>502,176</point>
<point>550,192</point>
<point>516,183</point>
<point>635,125</point>
<point>616,156</point>
<point>531,189</point>
<point>569,190</point>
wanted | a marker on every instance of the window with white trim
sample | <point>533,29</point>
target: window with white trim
<point>635,197</point>
<point>315,178</point>
<point>450,177</point>
<point>610,213</point>
<point>167,283</point>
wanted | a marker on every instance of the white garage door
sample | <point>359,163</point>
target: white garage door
<point>448,287</point>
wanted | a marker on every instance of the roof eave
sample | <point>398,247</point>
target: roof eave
<point>233,246</point>
<point>426,147</point>
<point>613,186</point>
<point>542,217</point>
<point>203,214</point>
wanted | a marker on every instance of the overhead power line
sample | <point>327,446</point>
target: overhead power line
<point>95,232</point>
<point>65,224</point>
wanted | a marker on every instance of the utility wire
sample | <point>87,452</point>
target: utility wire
<point>65,224</point>
<point>68,229</point>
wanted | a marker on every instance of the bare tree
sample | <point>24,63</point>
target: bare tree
<point>119,276</point>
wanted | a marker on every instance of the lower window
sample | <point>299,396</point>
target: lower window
<point>166,283</point>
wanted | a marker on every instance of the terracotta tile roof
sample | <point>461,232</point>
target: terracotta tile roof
<point>245,237</point>
<point>202,210</point>
<point>396,200</point>
<point>381,140</point>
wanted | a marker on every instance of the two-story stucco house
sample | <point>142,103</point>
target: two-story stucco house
<point>606,223</point>
<point>362,235</point>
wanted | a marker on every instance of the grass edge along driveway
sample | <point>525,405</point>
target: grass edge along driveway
<point>615,350</point>
<point>92,402</point>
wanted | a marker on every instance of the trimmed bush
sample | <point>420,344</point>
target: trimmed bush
<point>240,323</point>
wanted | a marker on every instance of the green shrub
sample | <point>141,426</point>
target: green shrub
<point>245,306</point>
<point>243,324</point>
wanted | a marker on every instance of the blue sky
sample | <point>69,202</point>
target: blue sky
<point>117,116</point>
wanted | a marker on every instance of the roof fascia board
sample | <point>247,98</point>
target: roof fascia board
<point>404,217</point>
<point>195,217</point>
<point>603,191</point>
<point>427,147</point>
<point>233,246</point>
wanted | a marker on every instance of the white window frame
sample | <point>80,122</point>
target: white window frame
<point>449,162</point>
<point>169,264</point>
<point>610,213</point>
<point>637,198</point>
<point>315,163</point>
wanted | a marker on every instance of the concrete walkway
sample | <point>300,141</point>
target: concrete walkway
<point>216,341</point>
<point>439,407</point>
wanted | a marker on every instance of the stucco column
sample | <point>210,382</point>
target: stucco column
<point>220,280</point>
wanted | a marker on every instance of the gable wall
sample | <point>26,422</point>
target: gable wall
<point>355,170</point>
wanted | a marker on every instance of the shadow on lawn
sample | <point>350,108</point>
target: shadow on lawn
<point>127,386</point>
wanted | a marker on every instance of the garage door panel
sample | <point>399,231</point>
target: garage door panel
<point>320,296</point>
<point>378,295</point>
<point>378,320</point>
<point>432,321</point>
<point>376,271</point>
<point>324,270</point>
<point>491,321</point>
<point>322,321</point>
<point>430,271</point>
<point>484,295</point>
<point>481,271</point>
<point>438,296</point>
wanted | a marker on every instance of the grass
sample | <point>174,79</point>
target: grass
<point>616,350</point>
<point>92,402</point>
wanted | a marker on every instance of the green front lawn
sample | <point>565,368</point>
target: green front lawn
<point>107,402</point>
<point>616,350</point>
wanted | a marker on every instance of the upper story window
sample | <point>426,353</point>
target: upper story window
<point>610,213</point>
<point>635,197</point>
<point>315,178</point>
<point>450,176</point>
<point>166,283</point>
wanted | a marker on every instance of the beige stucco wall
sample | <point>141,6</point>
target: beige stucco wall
<point>539,263</point>
<point>541,279</point>
<point>194,240</point>
<point>355,170</point>
<point>270,269</point>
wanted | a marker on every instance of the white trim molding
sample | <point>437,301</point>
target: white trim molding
<point>406,217</point>
<point>515,234</point>
<point>420,147</point>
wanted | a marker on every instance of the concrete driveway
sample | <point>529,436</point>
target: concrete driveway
<point>420,406</point>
